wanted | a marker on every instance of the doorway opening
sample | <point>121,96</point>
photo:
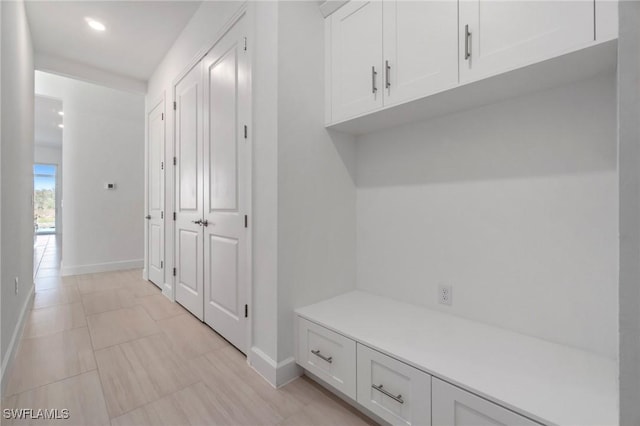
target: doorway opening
<point>44,198</point>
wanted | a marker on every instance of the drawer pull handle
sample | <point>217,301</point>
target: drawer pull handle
<point>389,394</point>
<point>317,353</point>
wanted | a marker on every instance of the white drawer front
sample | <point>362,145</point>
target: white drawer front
<point>393,390</point>
<point>453,406</point>
<point>328,355</point>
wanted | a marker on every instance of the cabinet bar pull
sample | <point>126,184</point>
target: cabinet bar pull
<point>317,353</point>
<point>374,89</point>
<point>467,45</point>
<point>387,393</point>
<point>387,74</point>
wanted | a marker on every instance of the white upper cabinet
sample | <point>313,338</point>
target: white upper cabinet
<point>499,35</point>
<point>383,54</point>
<point>420,48</point>
<point>356,59</point>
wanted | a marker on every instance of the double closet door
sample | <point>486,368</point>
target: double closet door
<point>212,188</point>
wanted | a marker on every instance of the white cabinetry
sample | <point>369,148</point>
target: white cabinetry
<point>496,36</point>
<point>420,48</point>
<point>356,46</point>
<point>384,53</point>
<point>328,355</point>
<point>393,390</point>
<point>453,406</point>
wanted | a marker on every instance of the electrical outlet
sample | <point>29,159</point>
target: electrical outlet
<point>16,284</point>
<point>445,294</point>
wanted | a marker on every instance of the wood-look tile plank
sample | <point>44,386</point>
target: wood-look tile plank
<point>122,325</point>
<point>54,319</point>
<point>46,359</point>
<point>160,307</point>
<point>189,337</point>
<point>109,300</point>
<point>81,395</point>
<point>246,405</point>
<point>141,371</point>
<point>56,296</point>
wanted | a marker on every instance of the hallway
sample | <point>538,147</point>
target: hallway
<point>111,349</point>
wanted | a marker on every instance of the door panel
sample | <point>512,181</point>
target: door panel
<point>507,34</point>
<point>421,47</point>
<point>223,261</point>
<point>189,197</point>
<point>226,170</point>
<point>155,196</point>
<point>356,47</point>
<point>223,127</point>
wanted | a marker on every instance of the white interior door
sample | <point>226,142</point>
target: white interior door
<point>420,48</point>
<point>189,192</point>
<point>226,186</point>
<point>356,59</point>
<point>505,34</point>
<point>155,196</point>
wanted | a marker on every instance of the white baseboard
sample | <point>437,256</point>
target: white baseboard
<point>7,362</point>
<point>277,374</point>
<point>102,267</point>
<point>145,275</point>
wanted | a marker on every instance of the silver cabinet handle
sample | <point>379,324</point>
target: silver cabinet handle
<point>205,222</point>
<point>317,353</point>
<point>379,388</point>
<point>148,217</point>
<point>374,89</point>
<point>467,45</point>
<point>387,74</point>
<point>197,222</point>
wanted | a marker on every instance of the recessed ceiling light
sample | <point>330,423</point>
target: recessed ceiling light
<point>96,25</point>
<point>61,126</point>
<point>60,112</point>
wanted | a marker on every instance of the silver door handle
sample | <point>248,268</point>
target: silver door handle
<point>467,45</point>
<point>387,74</point>
<point>197,222</point>
<point>317,353</point>
<point>374,89</point>
<point>379,388</point>
<point>205,222</point>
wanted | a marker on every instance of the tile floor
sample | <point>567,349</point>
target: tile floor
<point>113,350</point>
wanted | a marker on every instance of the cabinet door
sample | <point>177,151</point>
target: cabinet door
<point>499,35</point>
<point>420,48</point>
<point>356,59</point>
<point>393,390</point>
<point>328,355</point>
<point>452,406</point>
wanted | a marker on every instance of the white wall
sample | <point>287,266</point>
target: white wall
<point>629,163</point>
<point>513,204</point>
<point>51,155</point>
<point>316,177</point>
<point>16,172</point>
<point>103,142</point>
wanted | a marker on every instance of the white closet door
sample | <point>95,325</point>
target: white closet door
<point>189,192</point>
<point>155,195</point>
<point>420,48</point>
<point>226,186</point>
<point>506,34</point>
<point>356,59</point>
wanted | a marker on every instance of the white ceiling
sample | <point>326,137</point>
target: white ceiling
<point>47,132</point>
<point>138,34</point>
